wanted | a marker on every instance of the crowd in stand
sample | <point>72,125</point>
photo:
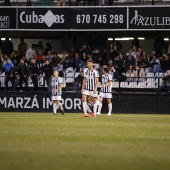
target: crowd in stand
<point>35,61</point>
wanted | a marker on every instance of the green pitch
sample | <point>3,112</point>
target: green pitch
<point>41,141</point>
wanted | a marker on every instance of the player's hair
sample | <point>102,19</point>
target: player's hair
<point>106,69</point>
<point>90,60</point>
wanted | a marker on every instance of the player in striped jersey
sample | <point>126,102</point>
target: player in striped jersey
<point>56,92</point>
<point>89,87</point>
<point>106,90</point>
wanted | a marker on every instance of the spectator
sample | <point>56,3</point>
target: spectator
<point>114,47</point>
<point>40,46</point>
<point>165,63</point>
<point>31,53</point>
<point>139,74</point>
<point>39,56</point>
<point>152,54</point>
<point>47,48</point>
<point>15,60</point>
<point>84,59</point>
<point>155,65</point>
<point>144,61</point>
<point>110,63</point>
<point>68,60</point>
<point>115,74</point>
<point>22,74</point>
<point>34,73</point>
<point>134,51</point>
<point>47,69</point>
<point>42,62</point>
<point>61,3</point>
<point>7,47</point>
<point>55,60</point>
<point>119,63</point>
<point>79,80</point>
<point>77,62</point>
<point>130,74</point>
<point>22,48</point>
<point>49,56</point>
<point>59,68</point>
<point>8,68</point>
<point>139,55</point>
<point>129,60</point>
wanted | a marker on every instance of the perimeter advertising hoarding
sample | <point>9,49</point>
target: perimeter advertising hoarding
<point>149,18</point>
<point>99,18</point>
<point>44,18</point>
<point>72,18</point>
<point>8,18</point>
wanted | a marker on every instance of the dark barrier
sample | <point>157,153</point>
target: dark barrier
<point>41,102</point>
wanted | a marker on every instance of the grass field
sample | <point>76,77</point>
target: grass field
<point>34,141</point>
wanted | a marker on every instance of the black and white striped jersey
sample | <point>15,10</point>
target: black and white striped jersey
<point>90,79</point>
<point>56,81</point>
<point>106,78</point>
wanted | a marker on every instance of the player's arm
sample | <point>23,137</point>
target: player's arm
<point>96,84</point>
<point>83,84</point>
<point>107,84</point>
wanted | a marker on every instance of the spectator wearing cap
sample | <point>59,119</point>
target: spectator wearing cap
<point>47,69</point>
<point>8,68</point>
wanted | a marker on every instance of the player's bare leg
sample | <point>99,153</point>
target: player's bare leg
<point>84,103</point>
<point>109,106</point>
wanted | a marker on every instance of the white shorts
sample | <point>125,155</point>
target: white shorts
<point>89,93</point>
<point>106,95</point>
<point>55,97</point>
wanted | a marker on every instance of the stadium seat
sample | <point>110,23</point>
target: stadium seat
<point>159,74</point>
<point>96,65</point>
<point>124,84</point>
<point>69,80</point>
<point>64,82</point>
<point>150,75</point>
<point>70,74</point>
<point>76,74</point>
<point>115,84</point>
<point>141,85</point>
<point>146,70</point>
<point>151,85</point>
<point>132,85</point>
<point>69,69</point>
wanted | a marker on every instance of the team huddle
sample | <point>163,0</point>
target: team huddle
<point>90,97</point>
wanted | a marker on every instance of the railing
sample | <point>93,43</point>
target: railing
<point>152,85</point>
<point>82,2</point>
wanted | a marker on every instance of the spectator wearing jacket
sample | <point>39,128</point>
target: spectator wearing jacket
<point>22,74</point>
<point>47,69</point>
<point>34,73</point>
<point>8,68</point>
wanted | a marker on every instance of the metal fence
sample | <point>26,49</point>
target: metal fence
<point>82,2</point>
<point>150,85</point>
